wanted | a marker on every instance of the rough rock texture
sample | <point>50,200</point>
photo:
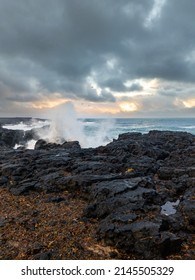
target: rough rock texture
<point>141,188</point>
<point>10,137</point>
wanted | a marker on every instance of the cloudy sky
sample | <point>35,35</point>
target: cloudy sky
<point>120,58</point>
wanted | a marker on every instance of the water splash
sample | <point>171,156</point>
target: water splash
<point>66,126</point>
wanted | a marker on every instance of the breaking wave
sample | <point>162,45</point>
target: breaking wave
<point>63,124</point>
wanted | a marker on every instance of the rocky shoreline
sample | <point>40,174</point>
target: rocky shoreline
<point>137,193</point>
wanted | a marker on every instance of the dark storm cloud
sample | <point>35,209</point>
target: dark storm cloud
<point>102,97</point>
<point>67,39</point>
<point>114,84</point>
<point>165,49</point>
<point>168,94</point>
<point>54,46</point>
<point>13,83</point>
<point>135,87</point>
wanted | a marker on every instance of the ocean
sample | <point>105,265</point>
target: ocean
<point>93,132</point>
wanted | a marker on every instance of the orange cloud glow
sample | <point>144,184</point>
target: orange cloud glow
<point>128,107</point>
<point>48,104</point>
<point>189,103</point>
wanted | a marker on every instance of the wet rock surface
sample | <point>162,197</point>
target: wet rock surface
<point>140,188</point>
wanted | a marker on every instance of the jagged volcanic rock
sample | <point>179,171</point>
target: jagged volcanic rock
<point>141,188</point>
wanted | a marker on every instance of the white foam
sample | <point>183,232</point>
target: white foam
<point>188,127</point>
<point>27,126</point>
<point>30,144</point>
<point>101,135</point>
<point>65,125</point>
<point>17,146</point>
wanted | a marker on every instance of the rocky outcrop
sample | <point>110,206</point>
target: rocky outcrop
<point>141,188</point>
<point>9,138</point>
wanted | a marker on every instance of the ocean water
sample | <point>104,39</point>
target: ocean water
<point>121,125</point>
<point>91,132</point>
